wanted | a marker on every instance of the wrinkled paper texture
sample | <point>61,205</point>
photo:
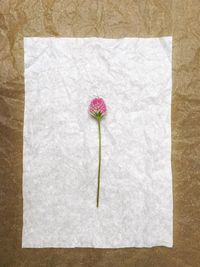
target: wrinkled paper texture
<point>60,157</point>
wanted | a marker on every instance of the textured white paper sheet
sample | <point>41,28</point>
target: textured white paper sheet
<point>60,158</point>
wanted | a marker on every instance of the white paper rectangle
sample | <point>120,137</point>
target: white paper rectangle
<point>60,159</point>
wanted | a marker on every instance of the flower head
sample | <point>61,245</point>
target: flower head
<point>97,108</point>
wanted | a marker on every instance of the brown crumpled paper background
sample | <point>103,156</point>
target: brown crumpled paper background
<point>106,18</point>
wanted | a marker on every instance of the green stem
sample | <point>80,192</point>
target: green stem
<point>99,168</point>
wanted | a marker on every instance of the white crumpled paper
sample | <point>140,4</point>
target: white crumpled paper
<point>60,158</point>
